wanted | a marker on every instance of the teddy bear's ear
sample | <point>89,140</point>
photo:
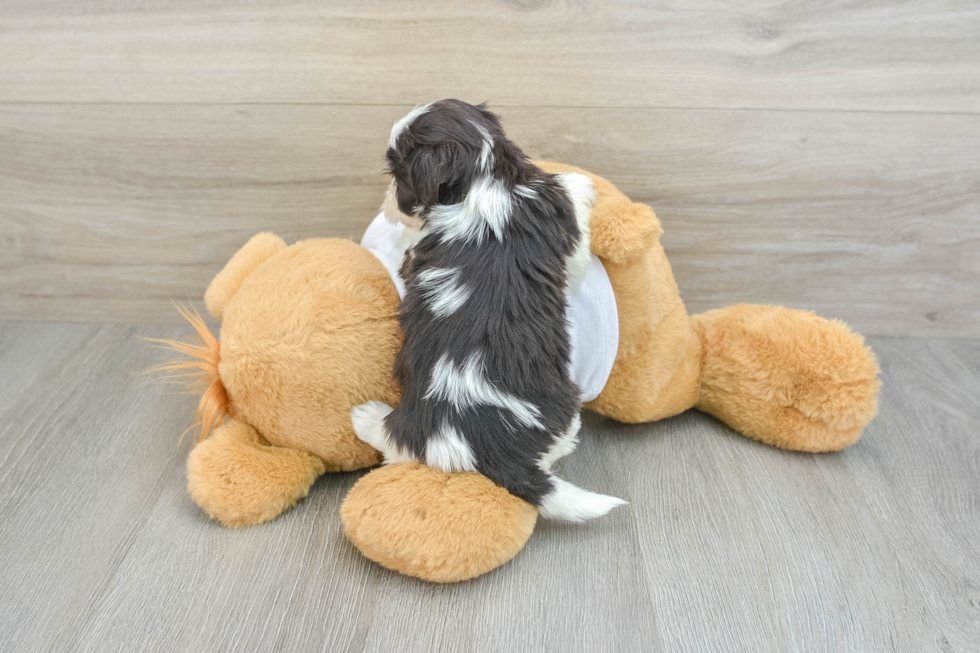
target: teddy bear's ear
<point>255,252</point>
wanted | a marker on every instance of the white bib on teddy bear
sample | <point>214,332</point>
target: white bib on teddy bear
<point>593,324</point>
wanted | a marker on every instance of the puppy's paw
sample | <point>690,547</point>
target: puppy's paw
<point>369,425</point>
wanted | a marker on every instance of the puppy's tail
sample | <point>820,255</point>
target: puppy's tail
<point>569,502</point>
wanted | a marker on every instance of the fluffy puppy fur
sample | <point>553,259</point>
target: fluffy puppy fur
<point>493,245</point>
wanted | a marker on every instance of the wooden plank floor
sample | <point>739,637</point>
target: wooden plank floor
<point>727,545</point>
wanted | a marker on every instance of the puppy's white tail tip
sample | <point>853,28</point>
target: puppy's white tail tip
<point>569,502</point>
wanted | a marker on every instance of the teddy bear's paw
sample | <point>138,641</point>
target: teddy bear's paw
<point>240,480</point>
<point>440,527</point>
<point>623,230</point>
<point>620,229</point>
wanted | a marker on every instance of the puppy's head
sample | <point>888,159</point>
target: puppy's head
<point>435,154</point>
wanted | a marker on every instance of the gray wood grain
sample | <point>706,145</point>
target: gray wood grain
<point>870,549</point>
<point>109,212</point>
<point>845,54</point>
<point>81,462</point>
<point>727,545</point>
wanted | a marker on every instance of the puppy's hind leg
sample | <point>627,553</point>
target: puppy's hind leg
<point>369,425</point>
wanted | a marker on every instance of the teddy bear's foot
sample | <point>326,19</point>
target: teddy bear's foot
<point>241,480</point>
<point>786,377</point>
<point>436,526</point>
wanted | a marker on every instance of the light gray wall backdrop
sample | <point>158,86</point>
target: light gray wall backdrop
<point>818,155</point>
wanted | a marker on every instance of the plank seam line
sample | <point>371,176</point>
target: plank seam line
<point>910,112</point>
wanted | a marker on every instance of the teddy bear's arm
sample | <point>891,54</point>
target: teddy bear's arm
<point>241,480</point>
<point>621,229</point>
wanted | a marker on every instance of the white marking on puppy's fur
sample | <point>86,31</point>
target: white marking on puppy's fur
<point>582,195</point>
<point>526,191</point>
<point>562,445</point>
<point>486,152</point>
<point>448,451</point>
<point>465,387</point>
<point>401,125</point>
<point>485,209</point>
<point>569,502</point>
<point>443,290</point>
<point>369,425</point>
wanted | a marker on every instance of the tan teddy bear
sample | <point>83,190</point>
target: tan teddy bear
<point>310,330</point>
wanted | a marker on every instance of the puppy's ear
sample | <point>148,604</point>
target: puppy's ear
<point>434,172</point>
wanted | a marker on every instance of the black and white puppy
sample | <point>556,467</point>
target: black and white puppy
<point>493,245</point>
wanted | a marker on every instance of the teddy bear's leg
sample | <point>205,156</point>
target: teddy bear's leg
<point>786,377</point>
<point>436,526</point>
<point>241,480</point>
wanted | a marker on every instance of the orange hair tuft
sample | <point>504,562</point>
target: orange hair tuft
<point>202,371</point>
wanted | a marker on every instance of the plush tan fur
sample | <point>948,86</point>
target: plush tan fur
<point>310,330</point>
<point>311,333</point>
<point>785,377</point>
<point>242,480</point>
<point>259,248</point>
<point>393,512</point>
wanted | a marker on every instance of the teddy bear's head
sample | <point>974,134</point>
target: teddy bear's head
<point>307,332</point>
